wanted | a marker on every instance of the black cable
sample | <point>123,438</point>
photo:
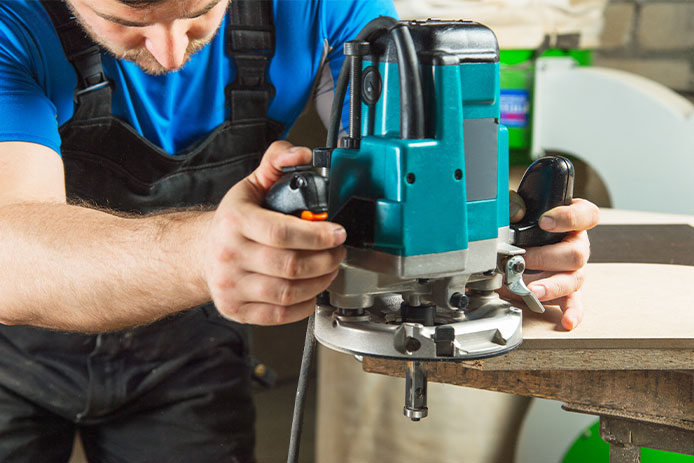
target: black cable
<point>411,95</point>
<point>336,108</point>
<point>301,389</point>
<point>411,127</point>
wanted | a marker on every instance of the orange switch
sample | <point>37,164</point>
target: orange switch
<point>308,215</point>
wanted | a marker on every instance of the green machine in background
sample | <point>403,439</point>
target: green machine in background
<point>589,447</point>
<point>550,434</point>
<point>517,83</point>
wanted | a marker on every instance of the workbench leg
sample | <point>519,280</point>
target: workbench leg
<point>627,436</point>
<point>628,454</point>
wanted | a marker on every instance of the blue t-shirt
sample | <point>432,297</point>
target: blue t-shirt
<point>172,111</point>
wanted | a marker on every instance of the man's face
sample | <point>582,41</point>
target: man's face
<point>158,38</point>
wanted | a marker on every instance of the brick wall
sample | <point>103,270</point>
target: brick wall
<point>653,38</point>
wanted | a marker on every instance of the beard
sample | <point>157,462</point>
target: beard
<point>147,62</point>
<point>141,57</point>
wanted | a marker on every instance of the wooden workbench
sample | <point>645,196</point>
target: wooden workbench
<point>631,361</point>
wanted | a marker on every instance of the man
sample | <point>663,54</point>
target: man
<point>107,156</point>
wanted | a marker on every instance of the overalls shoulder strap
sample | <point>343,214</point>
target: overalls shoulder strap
<point>93,91</point>
<point>251,42</point>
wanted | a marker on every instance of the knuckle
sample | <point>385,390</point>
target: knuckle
<point>229,309</point>
<point>277,145</point>
<point>279,233</point>
<point>279,316</point>
<point>535,258</point>
<point>579,278</point>
<point>586,247</point>
<point>562,288</point>
<point>553,289</point>
<point>326,238</point>
<point>225,254</point>
<point>571,218</point>
<point>293,265</point>
<point>286,293</point>
<point>577,258</point>
<point>227,221</point>
<point>223,282</point>
<point>594,216</point>
<point>321,239</point>
<point>340,255</point>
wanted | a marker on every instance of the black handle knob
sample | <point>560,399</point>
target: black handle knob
<point>548,183</point>
<point>301,191</point>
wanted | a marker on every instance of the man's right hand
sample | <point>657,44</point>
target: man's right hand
<point>264,267</point>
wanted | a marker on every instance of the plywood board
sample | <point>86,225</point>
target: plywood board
<point>627,306</point>
<point>619,216</point>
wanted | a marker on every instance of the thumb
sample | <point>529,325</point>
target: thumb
<point>279,155</point>
<point>516,206</point>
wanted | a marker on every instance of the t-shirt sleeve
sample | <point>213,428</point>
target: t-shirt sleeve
<point>342,21</point>
<point>26,112</point>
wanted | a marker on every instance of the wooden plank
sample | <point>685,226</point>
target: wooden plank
<point>627,306</point>
<point>619,216</point>
<point>587,359</point>
<point>662,397</point>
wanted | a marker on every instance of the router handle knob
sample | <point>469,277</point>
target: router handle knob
<point>302,192</point>
<point>547,183</point>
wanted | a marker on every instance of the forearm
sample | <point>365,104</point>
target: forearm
<point>73,268</point>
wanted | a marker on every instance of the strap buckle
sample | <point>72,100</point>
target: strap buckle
<point>91,88</point>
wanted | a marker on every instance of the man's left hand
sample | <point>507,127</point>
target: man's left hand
<point>563,263</point>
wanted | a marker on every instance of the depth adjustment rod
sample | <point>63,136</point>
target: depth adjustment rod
<point>355,50</point>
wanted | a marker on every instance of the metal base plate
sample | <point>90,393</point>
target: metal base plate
<point>492,329</point>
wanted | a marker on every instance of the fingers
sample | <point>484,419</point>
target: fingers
<point>245,274</point>
<point>290,263</point>
<point>258,313</point>
<point>280,154</point>
<point>572,306</point>
<point>282,292</point>
<point>240,212</point>
<point>562,289</point>
<point>579,215</point>
<point>570,254</point>
<point>253,297</point>
<point>516,206</point>
<point>265,300</point>
<point>557,285</point>
<point>285,231</point>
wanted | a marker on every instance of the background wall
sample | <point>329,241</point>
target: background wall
<point>652,38</point>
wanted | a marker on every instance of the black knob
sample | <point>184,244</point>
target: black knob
<point>548,183</point>
<point>297,192</point>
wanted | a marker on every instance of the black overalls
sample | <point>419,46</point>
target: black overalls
<point>179,389</point>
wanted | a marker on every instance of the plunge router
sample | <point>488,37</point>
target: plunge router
<point>421,185</point>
